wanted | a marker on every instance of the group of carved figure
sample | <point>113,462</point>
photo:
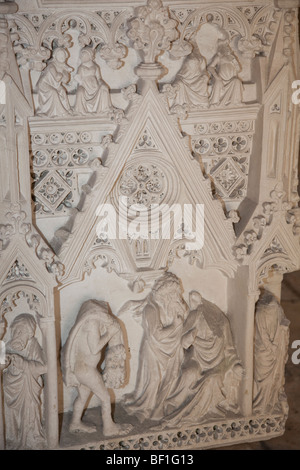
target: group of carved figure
<point>92,94</point>
<point>202,85</point>
<point>189,370</point>
<point>197,84</point>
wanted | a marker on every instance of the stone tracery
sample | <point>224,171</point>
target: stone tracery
<point>154,132</point>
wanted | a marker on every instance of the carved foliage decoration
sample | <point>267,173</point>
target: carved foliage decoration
<point>152,30</point>
<point>17,225</point>
<point>252,27</point>
<point>278,204</point>
<point>38,33</point>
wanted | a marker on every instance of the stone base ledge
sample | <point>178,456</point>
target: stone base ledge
<point>204,436</point>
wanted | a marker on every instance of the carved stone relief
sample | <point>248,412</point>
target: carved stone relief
<point>22,386</point>
<point>189,370</point>
<point>52,94</point>
<point>141,106</point>
<point>94,329</point>
<point>270,355</point>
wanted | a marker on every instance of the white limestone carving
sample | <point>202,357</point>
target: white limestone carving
<point>211,371</point>
<point>227,86</point>
<point>171,103</point>
<point>152,30</point>
<point>270,355</point>
<point>22,386</point>
<point>163,314</point>
<point>93,330</point>
<point>189,369</point>
<point>191,84</point>
<point>92,95</point>
<point>51,87</point>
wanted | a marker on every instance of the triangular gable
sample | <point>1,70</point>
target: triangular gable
<point>19,251</point>
<point>285,246</point>
<point>152,113</point>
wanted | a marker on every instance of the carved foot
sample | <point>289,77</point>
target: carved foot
<point>117,429</point>
<point>80,427</point>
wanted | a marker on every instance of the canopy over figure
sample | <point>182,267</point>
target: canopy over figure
<point>208,382</point>
<point>92,94</point>
<point>271,353</point>
<point>94,329</point>
<point>52,95</point>
<point>163,313</point>
<point>227,88</point>
<point>23,385</point>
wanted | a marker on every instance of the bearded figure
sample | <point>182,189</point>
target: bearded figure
<point>163,314</point>
<point>23,385</point>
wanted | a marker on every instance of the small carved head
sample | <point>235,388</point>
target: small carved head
<point>60,55</point>
<point>22,330</point>
<point>168,284</point>
<point>223,47</point>
<point>87,54</point>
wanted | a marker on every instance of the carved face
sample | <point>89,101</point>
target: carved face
<point>169,295</point>
<point>60,55</point>
<point>86,55</point>
<point>22,330</point>
<point>224,49</point>
<point>168,290</point>
<point>20,337</point>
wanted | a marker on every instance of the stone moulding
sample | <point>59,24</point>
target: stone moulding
<point>165,102</point>
<point>205,436</point>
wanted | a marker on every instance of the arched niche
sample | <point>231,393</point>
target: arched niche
<point>22,298</point>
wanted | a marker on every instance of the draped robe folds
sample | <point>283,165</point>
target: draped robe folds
<point>271,343</point>
<point>161,357</point>
<point>53,99</point>
<point>192,83</point>
<point>22,389</point>
<point>227,87</point>
<point>209,354</point>
<point>92,94</point>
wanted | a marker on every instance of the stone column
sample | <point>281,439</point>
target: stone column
<point>51,400</point>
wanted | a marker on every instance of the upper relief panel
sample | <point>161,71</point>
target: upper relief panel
<point>74,66</point>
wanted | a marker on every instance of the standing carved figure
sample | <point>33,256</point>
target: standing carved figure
<point>93,330</point>
<point>22,386</point>
<point>163,313</point>
<point>227,88</point>
<point>92,94</point>
<point>52,94</point>
<point>271,346</point>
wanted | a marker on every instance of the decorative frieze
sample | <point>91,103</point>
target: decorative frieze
<point>201,437</point>
<point>142,110</point>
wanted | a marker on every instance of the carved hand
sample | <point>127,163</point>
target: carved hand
<point>6,364</point>
<point>16,361</point>
<point>188,339</point>
<point>238,370</point>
